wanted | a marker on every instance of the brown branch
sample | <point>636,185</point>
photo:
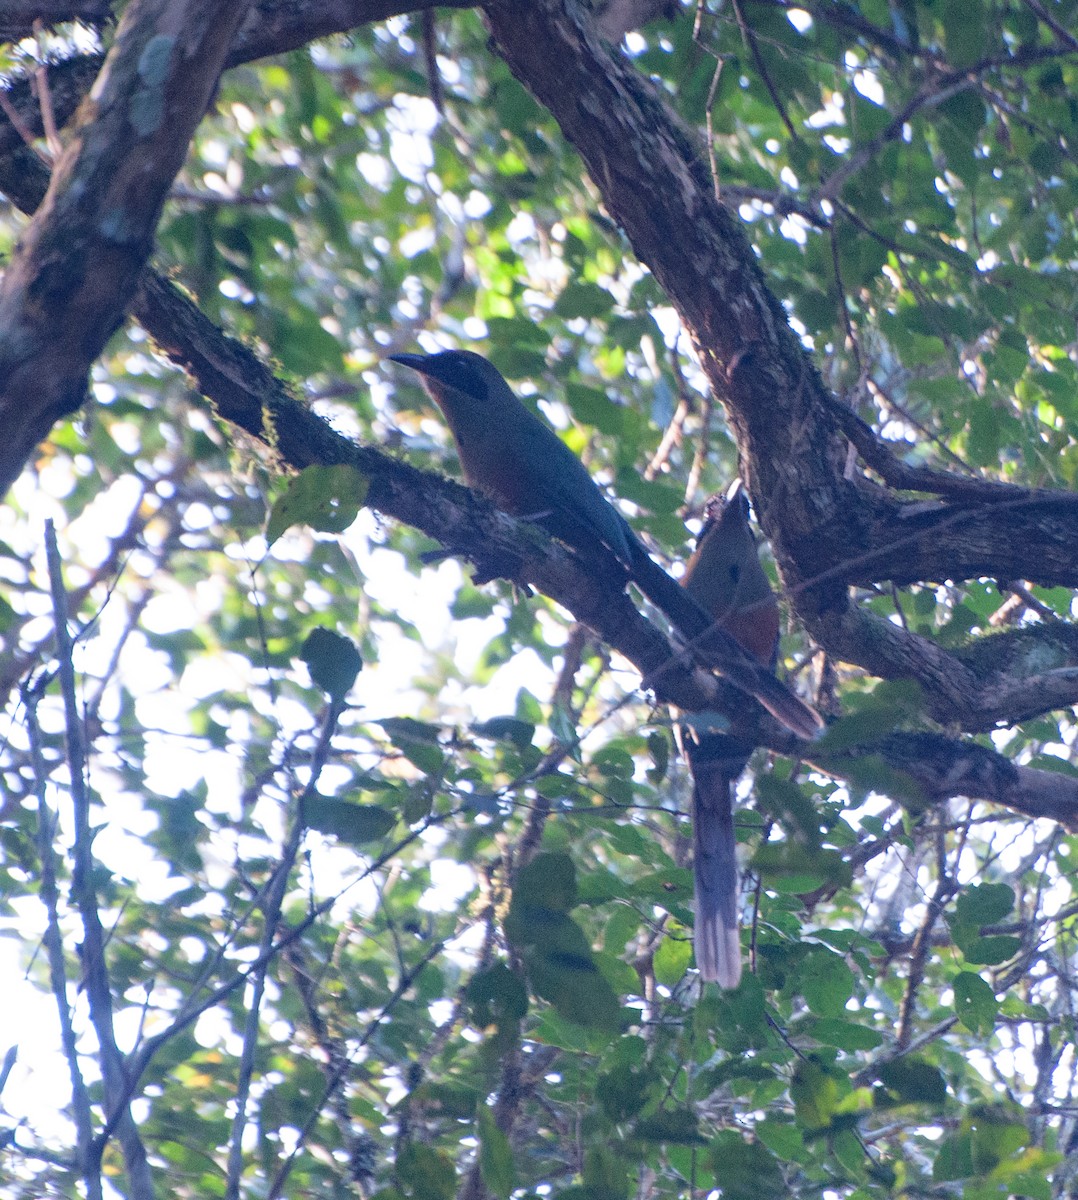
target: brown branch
<point>937,768</point>
<point>271,27</point>
<point>77,265</point>
<point>20,17</point>
<point>826,531</point>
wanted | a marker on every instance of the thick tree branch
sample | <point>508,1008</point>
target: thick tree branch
<point>998,679</point>
<point>271,26</point>
<point>827,530</point>
<point>655,181</point>
<point>20,17</point>
<point>941,768</point>
<point>69,281</point>
<point>276,26</point>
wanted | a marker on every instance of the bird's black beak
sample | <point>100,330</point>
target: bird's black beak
<point>418,362</point>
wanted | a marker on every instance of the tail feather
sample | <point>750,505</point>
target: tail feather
<point>716,939</point>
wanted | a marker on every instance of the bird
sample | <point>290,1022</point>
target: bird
<point>517,460</point>
<point>725,576</point>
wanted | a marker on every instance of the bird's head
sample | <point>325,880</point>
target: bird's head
<point>728,509</point>
<point>457,375</point>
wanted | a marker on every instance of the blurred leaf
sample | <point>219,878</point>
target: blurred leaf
<point>497,995</point>
<point>815,1094</point>
<point>975,1003</point>
<point>495,1155</point>
<point>424,1174</point>
<point>326,498</point>
<point>355,824</point>
<point>826,982</point>
<point>677,1126</point>
<point>913,1081</point>
<point>743,1169</point>
<point>559,959</point>
<point>333,661</point>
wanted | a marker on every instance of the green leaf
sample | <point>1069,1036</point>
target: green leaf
<point>557,954</point>
<point>425,1174</point>
<point>975,1003</point>
<point>520,733</point>
<point>326,498</point>
<point>670,1126</point>
<point>796,869</point>
<point>743,1169</point>
<point>815,1093</point>
<point>826,982</point>
<point>845,1035</point>
<point>659,749</point>
<point>417,741</point>
<point>987,1138</point>
<point>913,1081</point>
<point>333,661</point>
<point>546,885</point>
<point>583,300</point>
<point>592,406</point>
<point>497,996</point>
<point>605,1175</point>
<point>782,1138</point>
<point>355,824</point>
<point>976,907</point>
<point>789,804</point>
<point>966,24</point>
<point>984,904</point>
<point>887,708</point>
<point>672,959</point>
<point>495,1155</point>
<point>623,1092</point>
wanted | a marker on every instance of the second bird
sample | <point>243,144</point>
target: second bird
<point>725,577</point>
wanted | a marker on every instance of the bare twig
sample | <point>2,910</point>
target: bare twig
<point>54,948</point>
<point>341,1073</point>
<point>95,967</point>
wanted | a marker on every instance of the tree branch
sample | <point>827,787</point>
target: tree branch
<point>827,530</point>
<point>54,949</point>
<point>76,267</point>
<point>95,968</point>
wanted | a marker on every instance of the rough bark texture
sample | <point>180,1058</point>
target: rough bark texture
<point>75,268</point>
<point>828,528</point>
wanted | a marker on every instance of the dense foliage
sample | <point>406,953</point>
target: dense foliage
<point>391,868</point>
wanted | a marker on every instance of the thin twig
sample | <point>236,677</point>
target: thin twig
<point>341,1072</point>
<point>54,949</point>
<point>274,900</point>
<point>750,40</point>
<point>95,967</point>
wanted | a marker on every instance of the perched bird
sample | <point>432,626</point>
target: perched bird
<point>515,458</point>
<point>725,577</point>
<point>520,463</point>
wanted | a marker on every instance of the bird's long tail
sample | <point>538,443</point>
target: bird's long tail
<point>716,762</point>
